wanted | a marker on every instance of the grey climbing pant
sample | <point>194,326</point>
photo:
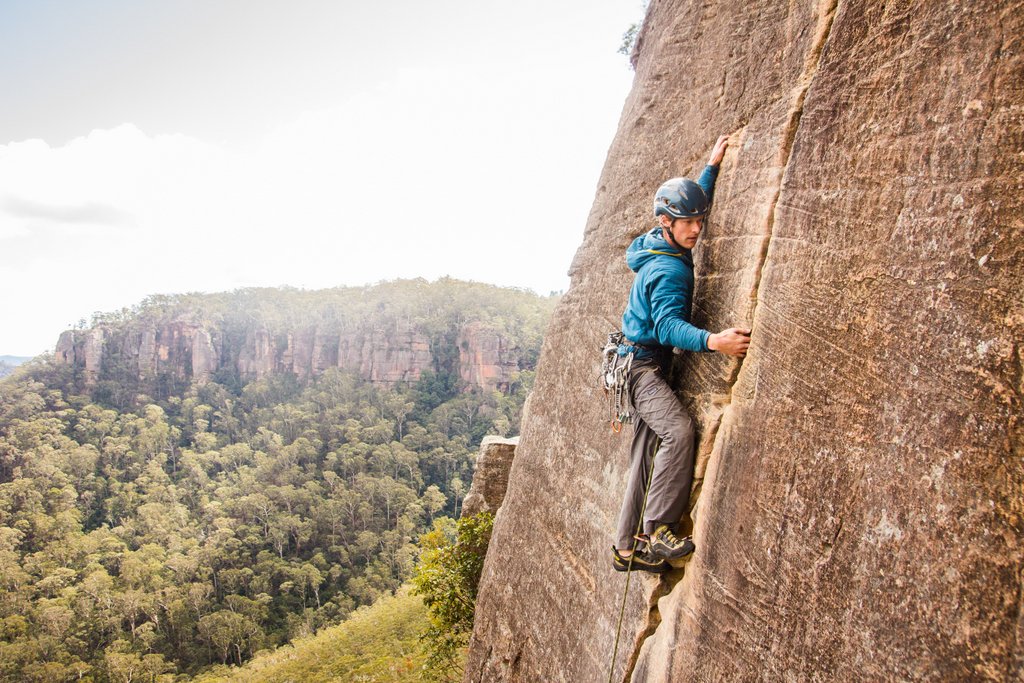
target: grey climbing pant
<point>663,434</point>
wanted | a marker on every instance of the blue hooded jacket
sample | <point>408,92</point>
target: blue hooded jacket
<point>658,312</point>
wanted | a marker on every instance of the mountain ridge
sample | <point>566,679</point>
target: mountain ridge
<point>166,342</point>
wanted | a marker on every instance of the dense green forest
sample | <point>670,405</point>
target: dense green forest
<point>379,642</point>
<point>157,538</point>
<point>418,634</point>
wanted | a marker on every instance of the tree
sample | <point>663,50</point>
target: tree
<point>457,488</point>
<point>229,634</point>
<point>125,666</point>
<point>447,576</point>
<point>433,501</point>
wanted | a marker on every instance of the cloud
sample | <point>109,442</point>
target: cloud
<point>89,212</point>
<point>420,176</point>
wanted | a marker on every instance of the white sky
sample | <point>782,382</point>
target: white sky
<point>209,145</point>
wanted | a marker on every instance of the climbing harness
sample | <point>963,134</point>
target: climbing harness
<point>617,376</point>
<point>629,569</point>
<point>615,381</point>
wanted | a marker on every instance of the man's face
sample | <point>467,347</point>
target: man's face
<point>684,231</point>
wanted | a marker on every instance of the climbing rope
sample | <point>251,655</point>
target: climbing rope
<point>629,569</point>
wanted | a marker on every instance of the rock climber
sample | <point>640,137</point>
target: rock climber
<point>656,319</point>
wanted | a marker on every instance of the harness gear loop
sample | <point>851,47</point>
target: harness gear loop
<point>615,371</point>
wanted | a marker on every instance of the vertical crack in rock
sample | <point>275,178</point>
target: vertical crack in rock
<point>830,8</point>
<point>1019,633</point>
<point>669,581</point>
<point>663,588</point>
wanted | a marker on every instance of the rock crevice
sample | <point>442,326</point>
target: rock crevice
<point>670,581</point>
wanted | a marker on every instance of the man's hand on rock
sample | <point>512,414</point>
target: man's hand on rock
<point>718,153</point>
<point>733,341</point>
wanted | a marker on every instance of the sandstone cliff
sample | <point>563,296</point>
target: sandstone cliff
<point>389,333</point>
<point>490,475</point>
<point>859,484</point>
<point>189,351</point>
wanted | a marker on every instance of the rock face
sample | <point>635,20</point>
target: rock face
<point>490,478</point>
<point>387,356</point>
<point>484,357</point>
<point>178,349</point>
<point>83,349</point>
<point>204,355</point>
<point>187,350</point>
<point>859,488</point>
<point>390,332</point>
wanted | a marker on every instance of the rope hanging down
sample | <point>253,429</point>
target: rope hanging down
<point>629,569</point>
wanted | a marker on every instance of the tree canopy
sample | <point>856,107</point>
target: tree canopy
<point>167,536</point>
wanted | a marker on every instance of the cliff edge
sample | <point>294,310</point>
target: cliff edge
<point>399,332</point>
<point>859,484</point>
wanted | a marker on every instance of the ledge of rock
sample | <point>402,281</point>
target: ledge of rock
<point>490,477</point>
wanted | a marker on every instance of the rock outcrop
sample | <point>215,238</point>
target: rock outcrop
<point>388,356</point>
<point>177,349</point>
<point>83,349</point>
<point>379,333</point>
<point>189,350</point>
<point>490,477</point>
<point>859,488</point>
<point>484,357</point>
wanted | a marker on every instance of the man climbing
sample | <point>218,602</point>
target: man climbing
<point>656,319</point>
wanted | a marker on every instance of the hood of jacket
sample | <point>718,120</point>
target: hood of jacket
<point>652,245</point>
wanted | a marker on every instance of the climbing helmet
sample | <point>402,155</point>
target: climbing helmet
<point>680,198</point>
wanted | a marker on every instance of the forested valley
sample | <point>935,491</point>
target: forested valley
<point>151,534</point>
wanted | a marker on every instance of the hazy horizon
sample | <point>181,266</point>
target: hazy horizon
<point>206,147</point>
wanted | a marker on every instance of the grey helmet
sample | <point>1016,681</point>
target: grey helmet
<point>680,198</point>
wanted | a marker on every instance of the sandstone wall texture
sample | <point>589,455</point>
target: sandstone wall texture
<point>189,350</point>
<point>388,355</point>
<point>178,349</point>
<point>490,476</point>
<point>859,485</point>
<point>485,358</point>
<point>83,349</point>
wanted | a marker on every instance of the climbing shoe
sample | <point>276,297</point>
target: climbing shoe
<point>642,562</point>
<point>664,543</point>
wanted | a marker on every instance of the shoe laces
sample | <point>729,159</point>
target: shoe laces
<point>670,538</point>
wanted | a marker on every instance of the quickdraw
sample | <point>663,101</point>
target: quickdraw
<point>615,381</point>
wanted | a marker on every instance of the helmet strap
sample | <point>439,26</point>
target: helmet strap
<point>670,236</point>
